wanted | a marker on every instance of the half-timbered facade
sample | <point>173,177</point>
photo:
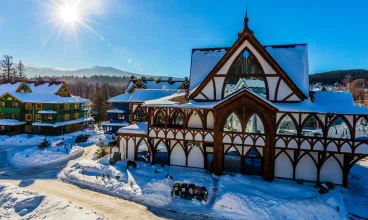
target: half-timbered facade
<point>250,111</point>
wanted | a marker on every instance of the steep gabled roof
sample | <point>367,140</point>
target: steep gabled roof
<point>202,73</point>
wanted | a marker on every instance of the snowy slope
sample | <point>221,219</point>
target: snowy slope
<point>20,203</point>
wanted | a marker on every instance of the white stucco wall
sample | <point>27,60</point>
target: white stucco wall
<point>177,156</point>
<point>195,121</point>
<point>195,158</point>
<point>210,120</point>
<point>306,169</point>
<point>131,149</point>
<point>283,167</point>
<point>331,171</point>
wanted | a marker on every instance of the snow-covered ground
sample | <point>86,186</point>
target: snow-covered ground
<point>230,197</point>
<point>27,140</point>
<point>62,149</point>
<point>32,157</point>
<point>20,203</point>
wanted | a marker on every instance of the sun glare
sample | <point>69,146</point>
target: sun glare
<point>69,13</point>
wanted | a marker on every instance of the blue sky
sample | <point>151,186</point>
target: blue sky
<point>156,36</point>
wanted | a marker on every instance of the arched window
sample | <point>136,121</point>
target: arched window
<point>255,125</point>
<point>233,123</point>
<point>143,153</point>
<point>161,155</point>
<point>246,63</point>
<point>361,129</point>
<point>160,119</point>
<point>312,127</point>
<point>245,72</point>
<point>139,114</point>
<point>339,129</point>
<point>232,160</point>
<point>177,120</point>
<point>287,126</point>
<point>255,84</point>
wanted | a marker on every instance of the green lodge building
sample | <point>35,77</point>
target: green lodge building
<point>39,107</point>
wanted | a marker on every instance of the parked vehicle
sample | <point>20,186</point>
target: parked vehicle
<point>82,138</point>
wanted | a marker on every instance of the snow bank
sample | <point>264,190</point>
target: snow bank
<point>20,203</point>
<point>31,158</point>
<point>253,198</point>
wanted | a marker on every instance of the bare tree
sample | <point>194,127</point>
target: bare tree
<point>21,71</point>
<point>7,68</point>
<point>357,89</point>
<point>346,81</point>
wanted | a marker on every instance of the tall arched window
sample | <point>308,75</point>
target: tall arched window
<point>255,125</point>
<point>339,129</point>
<point>177,120</point>
<point>287,126</point>
<point>246,63</point>
<point>361,129</point>
<point>312,127</point>
<point>232,160</point>
<point>233,123</point>
<point>245,72</point>
<point>161,154</point>
<point>139,114</point>
<point>160,119</point>
<point>143,153</point>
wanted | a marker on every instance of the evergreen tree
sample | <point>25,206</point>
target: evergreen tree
<point>44,144</point>
<point>7,68</point>
<point>102,150</point>
<point>99,107</point>
<point>21,71</point>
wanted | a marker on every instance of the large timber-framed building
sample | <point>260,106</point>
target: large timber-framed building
<point>249,110</point>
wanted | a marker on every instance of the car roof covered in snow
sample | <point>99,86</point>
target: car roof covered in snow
<point>292,58</point>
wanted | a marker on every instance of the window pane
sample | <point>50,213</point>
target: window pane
<point>255,125</point>
<point>361,129</point>
<point>246,64</point>
<point>287,126</point>
<point>233,123</point>
<point>339,129</point>
<point>312,128</point>
<point>255,84</point>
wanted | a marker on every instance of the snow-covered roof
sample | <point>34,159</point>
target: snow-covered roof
<point>46,98</point>
<point>45,87</point>
<point>47,112</point>
<point>59,124</point>
<point>161,84</point>
<point>9,87</point>
<point>115,110</point>
<point>293,59</point>
<point>119,124</point>
<point>325,102</point>
<point>139,128</point>
<point>121,98</point>
<point>11,122</point>
<point>203,61</point>
<point>167,100</point>
<point>142,95</point>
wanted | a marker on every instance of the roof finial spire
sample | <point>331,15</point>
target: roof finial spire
<point>246,19</point>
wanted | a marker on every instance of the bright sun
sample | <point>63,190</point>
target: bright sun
<point>69,13</point>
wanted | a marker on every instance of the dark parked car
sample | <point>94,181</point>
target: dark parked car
<point>82,138</point>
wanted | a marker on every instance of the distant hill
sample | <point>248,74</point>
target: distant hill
<point>35,70</point>
<point>332,77</point>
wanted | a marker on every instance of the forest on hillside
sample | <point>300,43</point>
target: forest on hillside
<point>331,77</point>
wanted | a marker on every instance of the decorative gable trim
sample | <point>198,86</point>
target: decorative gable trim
<point>24,83</point>
<point>135,86</point>
<point>64,85</point>
<point>247,35</point>
<point>7,93</point>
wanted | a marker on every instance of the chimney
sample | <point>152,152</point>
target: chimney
<point>186,78</point>
<point>170,80</point>
<point>143,78</point>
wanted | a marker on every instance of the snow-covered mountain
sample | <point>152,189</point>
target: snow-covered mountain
<point>36,70</point>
